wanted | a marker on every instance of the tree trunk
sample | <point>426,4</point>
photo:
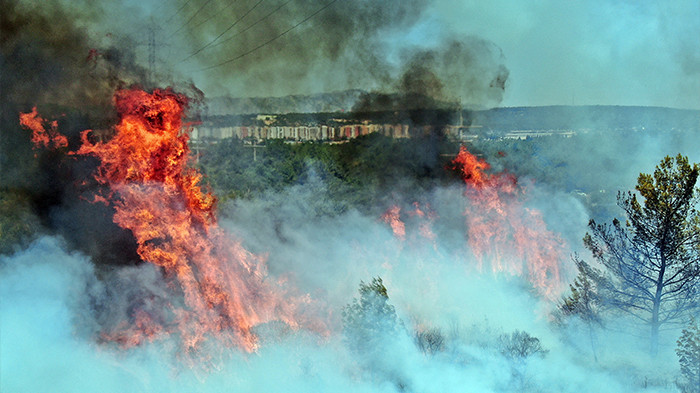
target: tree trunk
<point>655,308</point>
<point>654,347</point>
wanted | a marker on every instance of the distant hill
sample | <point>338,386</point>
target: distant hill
<point>598,117</point>
<point>320,108</point>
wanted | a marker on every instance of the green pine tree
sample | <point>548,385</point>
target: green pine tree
<point>652,260</point>
<point>688,351</point>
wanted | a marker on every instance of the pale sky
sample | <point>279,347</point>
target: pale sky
<point>592,52</point>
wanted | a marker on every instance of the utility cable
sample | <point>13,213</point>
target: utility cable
<point>178,11</point>
<point>253,24</point>
<point>192,17</point>
<point>224,32</point>
<point>213,15</point>
<point>268,41</point>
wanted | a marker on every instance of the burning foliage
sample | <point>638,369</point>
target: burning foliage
<point>157,197</point>
<point>501,229</point>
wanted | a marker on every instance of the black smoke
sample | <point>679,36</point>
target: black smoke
<point>48,61</point>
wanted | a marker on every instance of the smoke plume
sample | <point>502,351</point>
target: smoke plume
<point>458,316</point>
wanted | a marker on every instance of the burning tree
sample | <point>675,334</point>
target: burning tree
<point>652,261</point>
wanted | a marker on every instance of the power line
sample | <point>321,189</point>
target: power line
<point>224,32</point>
<point>178,11</point>
<point>268,41</point>
<point>253,24</point>
<point>215,14</point>
<point>192,17</point>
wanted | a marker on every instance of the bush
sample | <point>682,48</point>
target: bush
<point>430,341</point>
<point>520,345</point>
<point>688,351</point>
<point>370,320</point>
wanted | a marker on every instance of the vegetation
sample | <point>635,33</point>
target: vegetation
<point>583,301</point>
<point>520,345</point>
<point>652,261</point>
<point>430,341</point>
<point>357,173</point>
<point>18,226</point>
<point>370,321</point>
<point>688,352</point>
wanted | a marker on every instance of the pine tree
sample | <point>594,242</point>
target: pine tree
<point>583,302</point>
<point>370,320</point>
<point>688,352</point>
<point>652,261</point>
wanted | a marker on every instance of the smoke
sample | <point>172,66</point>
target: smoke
<point>49,62</point>
<point>56,301</point>
<point>252,48</point>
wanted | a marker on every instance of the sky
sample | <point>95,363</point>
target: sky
<point>599,52</point>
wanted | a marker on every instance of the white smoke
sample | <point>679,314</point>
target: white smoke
<point>52,300</point>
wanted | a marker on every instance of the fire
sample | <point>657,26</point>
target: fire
<point>393,217</point>
<point>423,217</point>
<point>158,197</point>
<point>425,226</point>
<point>41,137</point>
<point>512,237</point>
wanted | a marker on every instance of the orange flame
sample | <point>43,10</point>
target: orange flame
<point>513,237</point>
<point>158,198</point>
<point>393,217</point>
<point>41,137</point>
<point>426,225</point>
<point>424,221</point>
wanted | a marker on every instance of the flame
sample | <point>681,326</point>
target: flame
<point>512,237</point>
<point>157,196</point>
<point>41,137</point>
<point>393,217</point>
<point>423,217</point>
<point>425,227</point>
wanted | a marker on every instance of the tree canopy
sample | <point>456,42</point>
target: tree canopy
<point>651,262</point>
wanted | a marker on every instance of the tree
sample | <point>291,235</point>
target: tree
<point>370,320</point>
<point>520,345</point>
<point>651,263</point>
<point>688,352</point>
<point>583,302</point>
<point>429,341</point>
<point>18,226</point>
